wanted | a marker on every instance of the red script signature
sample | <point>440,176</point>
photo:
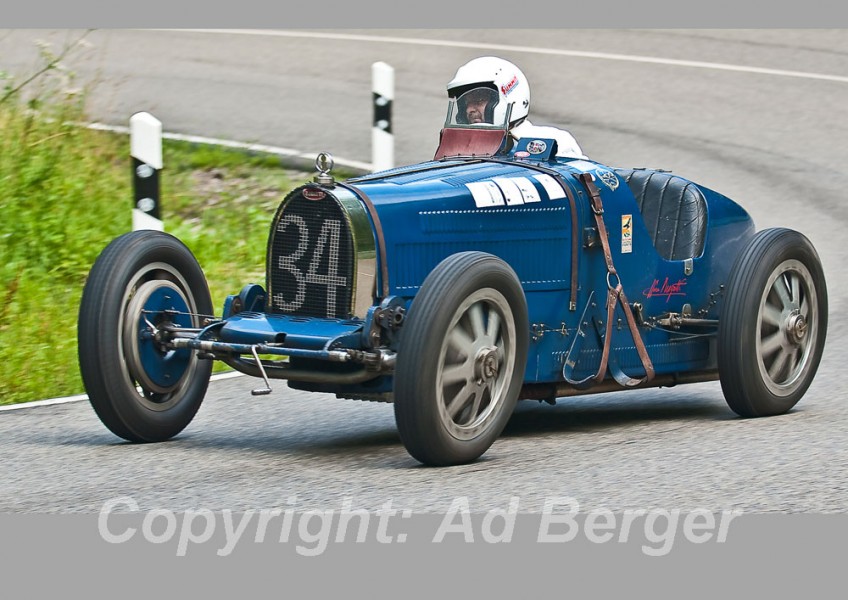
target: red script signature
<point>666,290</point>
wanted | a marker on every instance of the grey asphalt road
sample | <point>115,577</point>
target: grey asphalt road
<point>773,135</point>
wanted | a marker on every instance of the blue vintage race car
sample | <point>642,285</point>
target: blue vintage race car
<point>455,287</point>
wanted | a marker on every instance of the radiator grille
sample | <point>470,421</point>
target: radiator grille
<point>310,270</point>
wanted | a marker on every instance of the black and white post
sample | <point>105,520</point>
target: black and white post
<point>382,138</point>
<point>146,153</point>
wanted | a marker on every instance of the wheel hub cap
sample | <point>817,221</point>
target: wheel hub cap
<point>486,365</point>
<point>796,328</point>
<point>154,367</point>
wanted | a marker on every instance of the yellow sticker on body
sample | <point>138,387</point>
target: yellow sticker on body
<point>626,234</point>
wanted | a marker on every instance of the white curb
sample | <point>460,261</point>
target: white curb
<point>355,164</point>
<point>81,397</point>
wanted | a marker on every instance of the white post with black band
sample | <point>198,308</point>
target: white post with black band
<point>382,138</point>
<point>146,153</point>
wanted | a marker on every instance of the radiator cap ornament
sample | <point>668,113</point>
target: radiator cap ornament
<point>324,164</point>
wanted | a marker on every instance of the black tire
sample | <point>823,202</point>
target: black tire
<point>773,324</point>
<point>464,340</point>
<point>131,271</point>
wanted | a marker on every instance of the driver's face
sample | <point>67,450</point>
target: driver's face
<point>475,107</point>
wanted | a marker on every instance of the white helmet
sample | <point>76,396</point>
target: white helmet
<point>497,74</point>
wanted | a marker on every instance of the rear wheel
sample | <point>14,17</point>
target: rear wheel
<point>773,326</point>
<point>142,391</point>
<point>461,359</point>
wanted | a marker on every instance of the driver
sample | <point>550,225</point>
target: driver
<point>486,86</point>
<point>478,106</point>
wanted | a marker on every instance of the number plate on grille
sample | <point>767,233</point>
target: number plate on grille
<point>310,259</point>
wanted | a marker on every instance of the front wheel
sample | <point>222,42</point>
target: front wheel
<point>461,359</point>
<point>141,282</point>
<point>772,329</point>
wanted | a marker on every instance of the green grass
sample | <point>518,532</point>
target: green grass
<point>65,193</point>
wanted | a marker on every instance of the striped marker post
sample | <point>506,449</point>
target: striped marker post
<point>382,139</point>
<point>146,153</point>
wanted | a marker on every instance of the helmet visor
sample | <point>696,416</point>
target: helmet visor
<point>474,107</point>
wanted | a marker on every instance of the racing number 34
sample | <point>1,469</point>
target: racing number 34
<point>328,242</point>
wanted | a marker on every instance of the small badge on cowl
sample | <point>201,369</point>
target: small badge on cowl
<point>536,147</point>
